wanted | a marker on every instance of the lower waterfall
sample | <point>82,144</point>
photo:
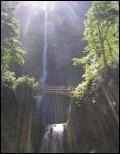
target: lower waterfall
<point>53,141</point>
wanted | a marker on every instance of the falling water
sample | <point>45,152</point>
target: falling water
<point>44,71</point>
<point>44,60</point>
<point>53,139</point>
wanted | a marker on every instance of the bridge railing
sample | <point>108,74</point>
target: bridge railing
<point>64,90</point>
<point>55,87</point>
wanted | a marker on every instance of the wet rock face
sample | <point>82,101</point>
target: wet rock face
<point>54,109</point>
<point>93,126</point>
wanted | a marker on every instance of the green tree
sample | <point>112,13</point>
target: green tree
<point>101,28</point>
<point>11,49</point>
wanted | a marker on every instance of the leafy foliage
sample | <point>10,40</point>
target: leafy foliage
<point>11,48</point>
<point>8,78</point>
<point>101,35</point>
<point>24,87</point>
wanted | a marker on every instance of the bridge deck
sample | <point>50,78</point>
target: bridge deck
<point>64,90</point>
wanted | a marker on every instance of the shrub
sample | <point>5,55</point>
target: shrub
<point>24,88</point>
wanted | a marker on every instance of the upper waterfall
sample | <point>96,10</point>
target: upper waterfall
<point>44,58</point>
<point>43,76</point>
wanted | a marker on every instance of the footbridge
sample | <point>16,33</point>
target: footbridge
<point>63,90</point>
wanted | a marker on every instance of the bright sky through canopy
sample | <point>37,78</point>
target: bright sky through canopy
<point>40,4</point>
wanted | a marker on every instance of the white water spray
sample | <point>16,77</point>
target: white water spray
<point>53,139</point>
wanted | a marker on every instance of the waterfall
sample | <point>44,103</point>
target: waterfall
<point>44,58</point>
<point>53,139</point>
<point>44,62</point>
<point>54,134</point>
